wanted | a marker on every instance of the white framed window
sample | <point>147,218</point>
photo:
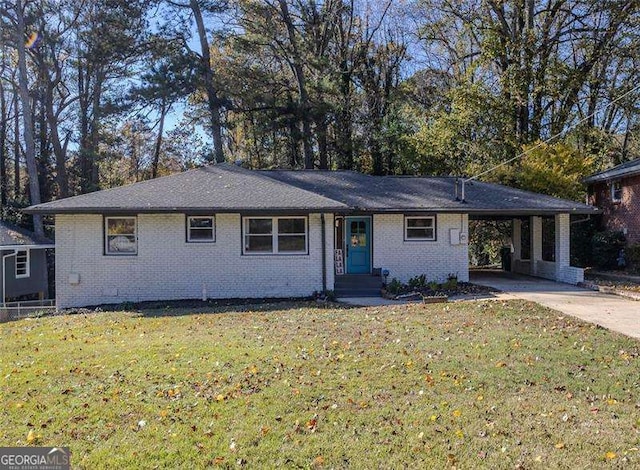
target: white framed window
<point>616,191</point>
<point>22,264</point>
<point>121,237</point>
<point>420,228</point>
<point>201,229</point>
<point>274,235</point>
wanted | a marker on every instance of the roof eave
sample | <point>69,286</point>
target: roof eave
<point>176,210</point>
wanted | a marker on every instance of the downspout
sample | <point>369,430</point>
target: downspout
<point>4,275</point>
<point>324,254</point>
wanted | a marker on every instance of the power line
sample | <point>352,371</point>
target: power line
<point>544,142</point>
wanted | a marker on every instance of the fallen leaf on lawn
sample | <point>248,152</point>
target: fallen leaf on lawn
<point>218,460</point>
<point>319,460</point>
<point>220,397</point>
<point>457,413</point>
<point>538,458</point>
<point>610,455</point>
<point>433,417</point>
<point>31,437</point>
<point>560,445</point>
<point>459,434</point>
<point>612,401</point>
<point>501,364</point>
<point>312,424</point>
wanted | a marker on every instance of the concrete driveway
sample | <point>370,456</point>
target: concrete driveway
<point>612,312</point>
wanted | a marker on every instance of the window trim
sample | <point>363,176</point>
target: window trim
<point>613,191</point>
<point>435,228</point>
<point>188,228</point>
<point>105,234</point>
<point>274,236</point>
<point>27,264</point>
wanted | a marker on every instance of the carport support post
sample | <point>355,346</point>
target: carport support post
<point>563,245</point>
<point>536,243</point>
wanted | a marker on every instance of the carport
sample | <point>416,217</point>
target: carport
<point>540,242</point>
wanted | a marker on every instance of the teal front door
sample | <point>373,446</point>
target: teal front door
<point>358,244</point>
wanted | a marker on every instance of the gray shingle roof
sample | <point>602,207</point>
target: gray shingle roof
<point>624,169</point>
<point>12,235</point>
<point>217,188</point>
<point>410,193</point>
<point>228,188</point>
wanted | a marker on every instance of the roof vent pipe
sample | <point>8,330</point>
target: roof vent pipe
<point>455,191</point>
<point>462,192</point>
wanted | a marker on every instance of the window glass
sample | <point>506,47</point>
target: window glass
<point>291,225</point>
<point>258,243</point>
<point>22,264</point>
<point>201,229</point>
<point>275,235</point>
<point>420,228</point>
<point>120,236</point>
<point>616,191</point>
<point>257,226</point>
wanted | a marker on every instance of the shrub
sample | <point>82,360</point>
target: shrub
<point>632,253</point>
<point>605,247</point>
<point>418,282</point>
<point>394,286</point>
<point>452,282</point>
<point>434,286</point>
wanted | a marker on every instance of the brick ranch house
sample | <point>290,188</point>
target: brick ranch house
<point>617,192</point>
<point>222,231</point>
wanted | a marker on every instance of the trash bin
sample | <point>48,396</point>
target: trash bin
<point>505,257</point>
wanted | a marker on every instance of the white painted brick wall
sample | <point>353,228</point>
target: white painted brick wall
<point>560,270</point>
<point>406,259</point>
<point>167,267</point>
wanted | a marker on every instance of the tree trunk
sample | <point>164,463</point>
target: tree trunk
<point>3,154</point>
<point>321,126</point>
<point>212,94</point>
<point>58,149</point>
<point>158,147</point>
<point>16,150</point>
<point>303,95</point>
<point>30,155</point>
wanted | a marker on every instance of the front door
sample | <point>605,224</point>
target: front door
<point>358,243</point>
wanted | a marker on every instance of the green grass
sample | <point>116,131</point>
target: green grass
<point>487,384</point>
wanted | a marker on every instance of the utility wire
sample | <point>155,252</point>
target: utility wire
<point>540,144</point>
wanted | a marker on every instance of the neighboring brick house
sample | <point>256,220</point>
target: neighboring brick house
<point>222,231</point>
<point>617,192</point>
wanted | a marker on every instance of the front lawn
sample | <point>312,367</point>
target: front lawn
<point>479,384</point>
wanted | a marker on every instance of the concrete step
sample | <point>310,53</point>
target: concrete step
<point>357,292</point>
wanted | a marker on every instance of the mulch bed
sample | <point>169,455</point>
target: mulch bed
<point>463,288</point>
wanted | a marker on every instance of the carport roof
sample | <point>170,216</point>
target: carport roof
<point>229,188</point>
